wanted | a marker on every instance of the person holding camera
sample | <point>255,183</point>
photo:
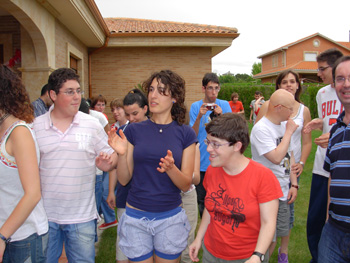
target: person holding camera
<point>201,113</point>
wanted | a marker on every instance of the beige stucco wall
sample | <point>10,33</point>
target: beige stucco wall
<point>67,44</point>
<point>115,71</point>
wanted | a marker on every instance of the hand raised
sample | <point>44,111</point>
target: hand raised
<point>166,163</point>
<point>118,143</point>
<point>313,125</point>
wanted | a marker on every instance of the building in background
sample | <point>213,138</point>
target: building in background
<point>299,56</point>
<point>111,55</point>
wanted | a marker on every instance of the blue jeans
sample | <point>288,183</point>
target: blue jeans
<point>108,213</point>
<point>317,213</point>
<point>32,249</point>
<point>79,240</point>
<point>334,245</point>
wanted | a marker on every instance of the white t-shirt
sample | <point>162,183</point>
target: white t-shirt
<point>265,137</point>
<point>99,115</point>
<point>329,108</point>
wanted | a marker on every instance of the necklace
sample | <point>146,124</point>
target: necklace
<point>161,127</point>
<point>4,117</point>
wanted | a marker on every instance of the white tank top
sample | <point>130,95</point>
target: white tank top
<point>296,137</point>
<point>11,191</point>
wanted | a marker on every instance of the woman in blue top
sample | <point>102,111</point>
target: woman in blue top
<point>159,156</point>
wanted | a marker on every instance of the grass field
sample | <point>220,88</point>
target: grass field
<point>298,248</point>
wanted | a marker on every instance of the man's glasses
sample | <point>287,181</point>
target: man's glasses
<point>341,80</point>
<point>211,88</point>
<point>215,145</point>
<point>321,69</point>
<point>71,92</point>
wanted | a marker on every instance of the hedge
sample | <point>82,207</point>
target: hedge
<point>246,93</point>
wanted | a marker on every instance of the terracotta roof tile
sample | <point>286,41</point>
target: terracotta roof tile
<point>141,26</point>
<point>301,66</point>
<point>345,44</point>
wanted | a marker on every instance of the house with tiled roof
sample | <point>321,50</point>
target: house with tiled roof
<point>111,55</point>
<point>299,56</point>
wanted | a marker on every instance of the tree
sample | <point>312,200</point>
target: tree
<point>256,69</point>
<point>227,78</point>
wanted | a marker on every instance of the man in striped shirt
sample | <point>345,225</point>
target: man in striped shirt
<point>335,239</point>
<point>71,145</point>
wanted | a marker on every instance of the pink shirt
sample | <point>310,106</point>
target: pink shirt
<point>67,167</point>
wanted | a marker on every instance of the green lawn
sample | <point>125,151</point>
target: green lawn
<point>298,248</point>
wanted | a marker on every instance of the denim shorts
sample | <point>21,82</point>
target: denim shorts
<point>29,250</point>
<point>144,233</point>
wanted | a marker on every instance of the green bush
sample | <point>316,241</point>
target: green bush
<point>246,94</point>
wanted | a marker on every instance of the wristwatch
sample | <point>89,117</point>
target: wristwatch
<point>6,240</point>
<point>261,256</point>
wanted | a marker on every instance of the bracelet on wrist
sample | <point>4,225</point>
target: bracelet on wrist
<point>302,164</point>
<point>6,240</point>
<point>295,186</point>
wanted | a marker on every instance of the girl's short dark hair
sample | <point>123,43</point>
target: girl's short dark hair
<point>230,127</point>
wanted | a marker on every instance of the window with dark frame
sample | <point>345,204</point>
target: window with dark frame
<point>74,64</point>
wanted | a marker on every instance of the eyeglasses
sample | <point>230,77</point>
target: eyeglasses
<point>71,92</point>
<point>215,145</point>
<point>211,88</point>
<point>291,109</point>
<point>341,80</point>
<point>321,69</point>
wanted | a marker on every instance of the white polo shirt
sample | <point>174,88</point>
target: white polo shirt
<point>67,167</point>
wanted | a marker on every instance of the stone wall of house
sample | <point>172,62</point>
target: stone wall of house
<point>66,45</point>
<point>115,71</point>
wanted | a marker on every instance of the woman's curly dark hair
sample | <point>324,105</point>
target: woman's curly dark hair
<point>14,98</point>
<point>176,87</point>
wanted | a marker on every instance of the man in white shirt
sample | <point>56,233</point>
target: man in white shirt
<point>71,145</point>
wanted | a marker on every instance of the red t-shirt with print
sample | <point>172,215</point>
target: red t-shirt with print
<point>233,204</point>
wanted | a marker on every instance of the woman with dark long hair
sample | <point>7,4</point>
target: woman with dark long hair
<point>23,221</point>
<point>158,154</point>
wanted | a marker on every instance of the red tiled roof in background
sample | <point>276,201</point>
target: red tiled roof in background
<point>345,44</point>
<point>308,66</point>
<point>120,26</point>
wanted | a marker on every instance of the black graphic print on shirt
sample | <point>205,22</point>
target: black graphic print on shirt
<point>226,209</point>
<point>286,160</point>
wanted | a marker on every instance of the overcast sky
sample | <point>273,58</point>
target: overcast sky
<point>263,25</point>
